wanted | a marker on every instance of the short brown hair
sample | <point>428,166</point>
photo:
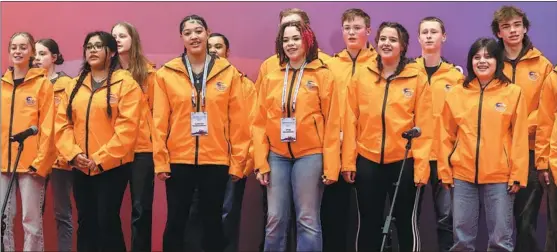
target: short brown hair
<point>351,14</point>
<point>505,13</point>
<point>432,19</point>
<point>292,11</point>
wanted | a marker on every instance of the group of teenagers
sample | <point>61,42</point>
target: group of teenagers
<point>315,129</point>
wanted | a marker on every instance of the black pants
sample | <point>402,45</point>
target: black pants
<point>373,183</point>
<point>141,186</point>
<point>551,235</point>
<point>526,208</point>
<point>211,182</point>
<point>98,200</point>
<point>231,219</point>
<point>335,211</point>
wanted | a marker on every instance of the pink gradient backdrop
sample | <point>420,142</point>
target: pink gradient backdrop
<point>251,28</point>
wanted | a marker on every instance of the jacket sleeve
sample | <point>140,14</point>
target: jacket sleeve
<point>421,146</point>
<point>519,149</point>
<point>533,116</point>
<point>64,137</point>
<point>239,133</point>
<point>331,140</point>
<point>151,83</point>
<point>46,153</point>
<point>125,126</point>
<point>261,76</point>
<point>546,117</point>
<point>250,97</point>
<point>261,144</point>
<point>161,117</point>
<point>446,136</point>
<point>350,126</point>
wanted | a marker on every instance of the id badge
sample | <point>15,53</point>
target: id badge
<point>288,130</point>
<point>199,126</point>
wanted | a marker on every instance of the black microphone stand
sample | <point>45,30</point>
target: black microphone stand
<point>387,226</point>
<point>8,192</point>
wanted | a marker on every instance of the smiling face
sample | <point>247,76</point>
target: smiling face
<point>21,50</point>
<point>512,31</point>
<point>292,44</point>
<point>355,33</point>
<point>194,36</point>
<point>484,64</point>
<point>389,44</point>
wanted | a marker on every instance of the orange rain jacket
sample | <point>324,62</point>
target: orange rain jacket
<point>546,134</point>
<point>28,104</point>
<point>60,85</point>
<point>529,72</point>
<point>109,141</point>
<point>483,135</point>
<point>144,140</point>
<point>317,123</point>
<point>378,113</point>
<point>250,98</point>
<point>440,83</point>
<point>228,136</point>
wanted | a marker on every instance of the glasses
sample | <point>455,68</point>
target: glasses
<point>97,46</point>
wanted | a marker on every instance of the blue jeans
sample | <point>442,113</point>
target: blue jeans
<point>498,204</point>
<point>62,181</point>
<point>299,180</point>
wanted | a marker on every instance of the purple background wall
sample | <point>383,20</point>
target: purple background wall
<point>251,28</point>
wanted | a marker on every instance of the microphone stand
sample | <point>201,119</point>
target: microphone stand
<point>8,192</point>
<point>387,226</point>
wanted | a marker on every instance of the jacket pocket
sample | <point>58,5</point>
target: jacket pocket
<point>452,152</point>
<point>317,130</point>
<point>506,157</point>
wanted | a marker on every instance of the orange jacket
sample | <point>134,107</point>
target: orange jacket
<point>378,113</point>
<point>483,135</point>
<point>228,138</point>
<point>30,103</point>
<point>60,85</point>
<point>545,135</point>
<point>440,83</point>
<point>317,128</point>
<point>343,67</point>
<point>107,141</point>
<point>250,97</point>
<point>529,73</point>
<point>272,63</point>
<point>144,141</point>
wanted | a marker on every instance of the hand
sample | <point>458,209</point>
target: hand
<point>328,181</point>
<point>419,185</point>
<point>163,176</point>
<point>32,171</point>
<point>447,186</point>
<point>81,161</point>
<point>349,176</point>
<point>92,166</point>
<point>263,178</point>
<point>543,177</point>
<point>513,189</point>
<point>235,178</point>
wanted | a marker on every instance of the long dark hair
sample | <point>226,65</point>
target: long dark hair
<point>110,46</point>
<point>308,39</point>
<point>403,40</point>
<point>493,49</point>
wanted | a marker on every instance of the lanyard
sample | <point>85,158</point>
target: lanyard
<point>298,81</point>
<point>203,81</point>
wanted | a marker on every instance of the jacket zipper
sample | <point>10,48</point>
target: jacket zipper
<point>384,127</point>
<point>514,70</point>
<point>479,134</point>
<point>317,130</point>
<point>288,106</point>
<point>87,126</point>
<point>10,131</point>
<point>354,62</point>
<point>506,157</point>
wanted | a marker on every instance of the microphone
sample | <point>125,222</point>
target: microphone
<point>19,137</point>
<point>412,133</point>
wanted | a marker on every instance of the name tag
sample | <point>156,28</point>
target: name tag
<point>288,130</point>
<point>199,126</point>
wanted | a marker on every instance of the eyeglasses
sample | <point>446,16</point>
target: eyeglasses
<point>97,46</point>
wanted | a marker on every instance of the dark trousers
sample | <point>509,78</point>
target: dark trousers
<point>211,182</point>
<point>142,186</point>
<point>232,211</point>
<point>551,235</point>
<point>443,207</point>
<point>526,208</point>
<point>98,200</point>
<point>373,183</point>
<point>335,211</point>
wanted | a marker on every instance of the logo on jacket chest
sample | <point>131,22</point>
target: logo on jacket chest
<point>407,92</point>
<point>533,76</point>
<point>220,86</point>
<point>501,107</point>
<point>30,101</point>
